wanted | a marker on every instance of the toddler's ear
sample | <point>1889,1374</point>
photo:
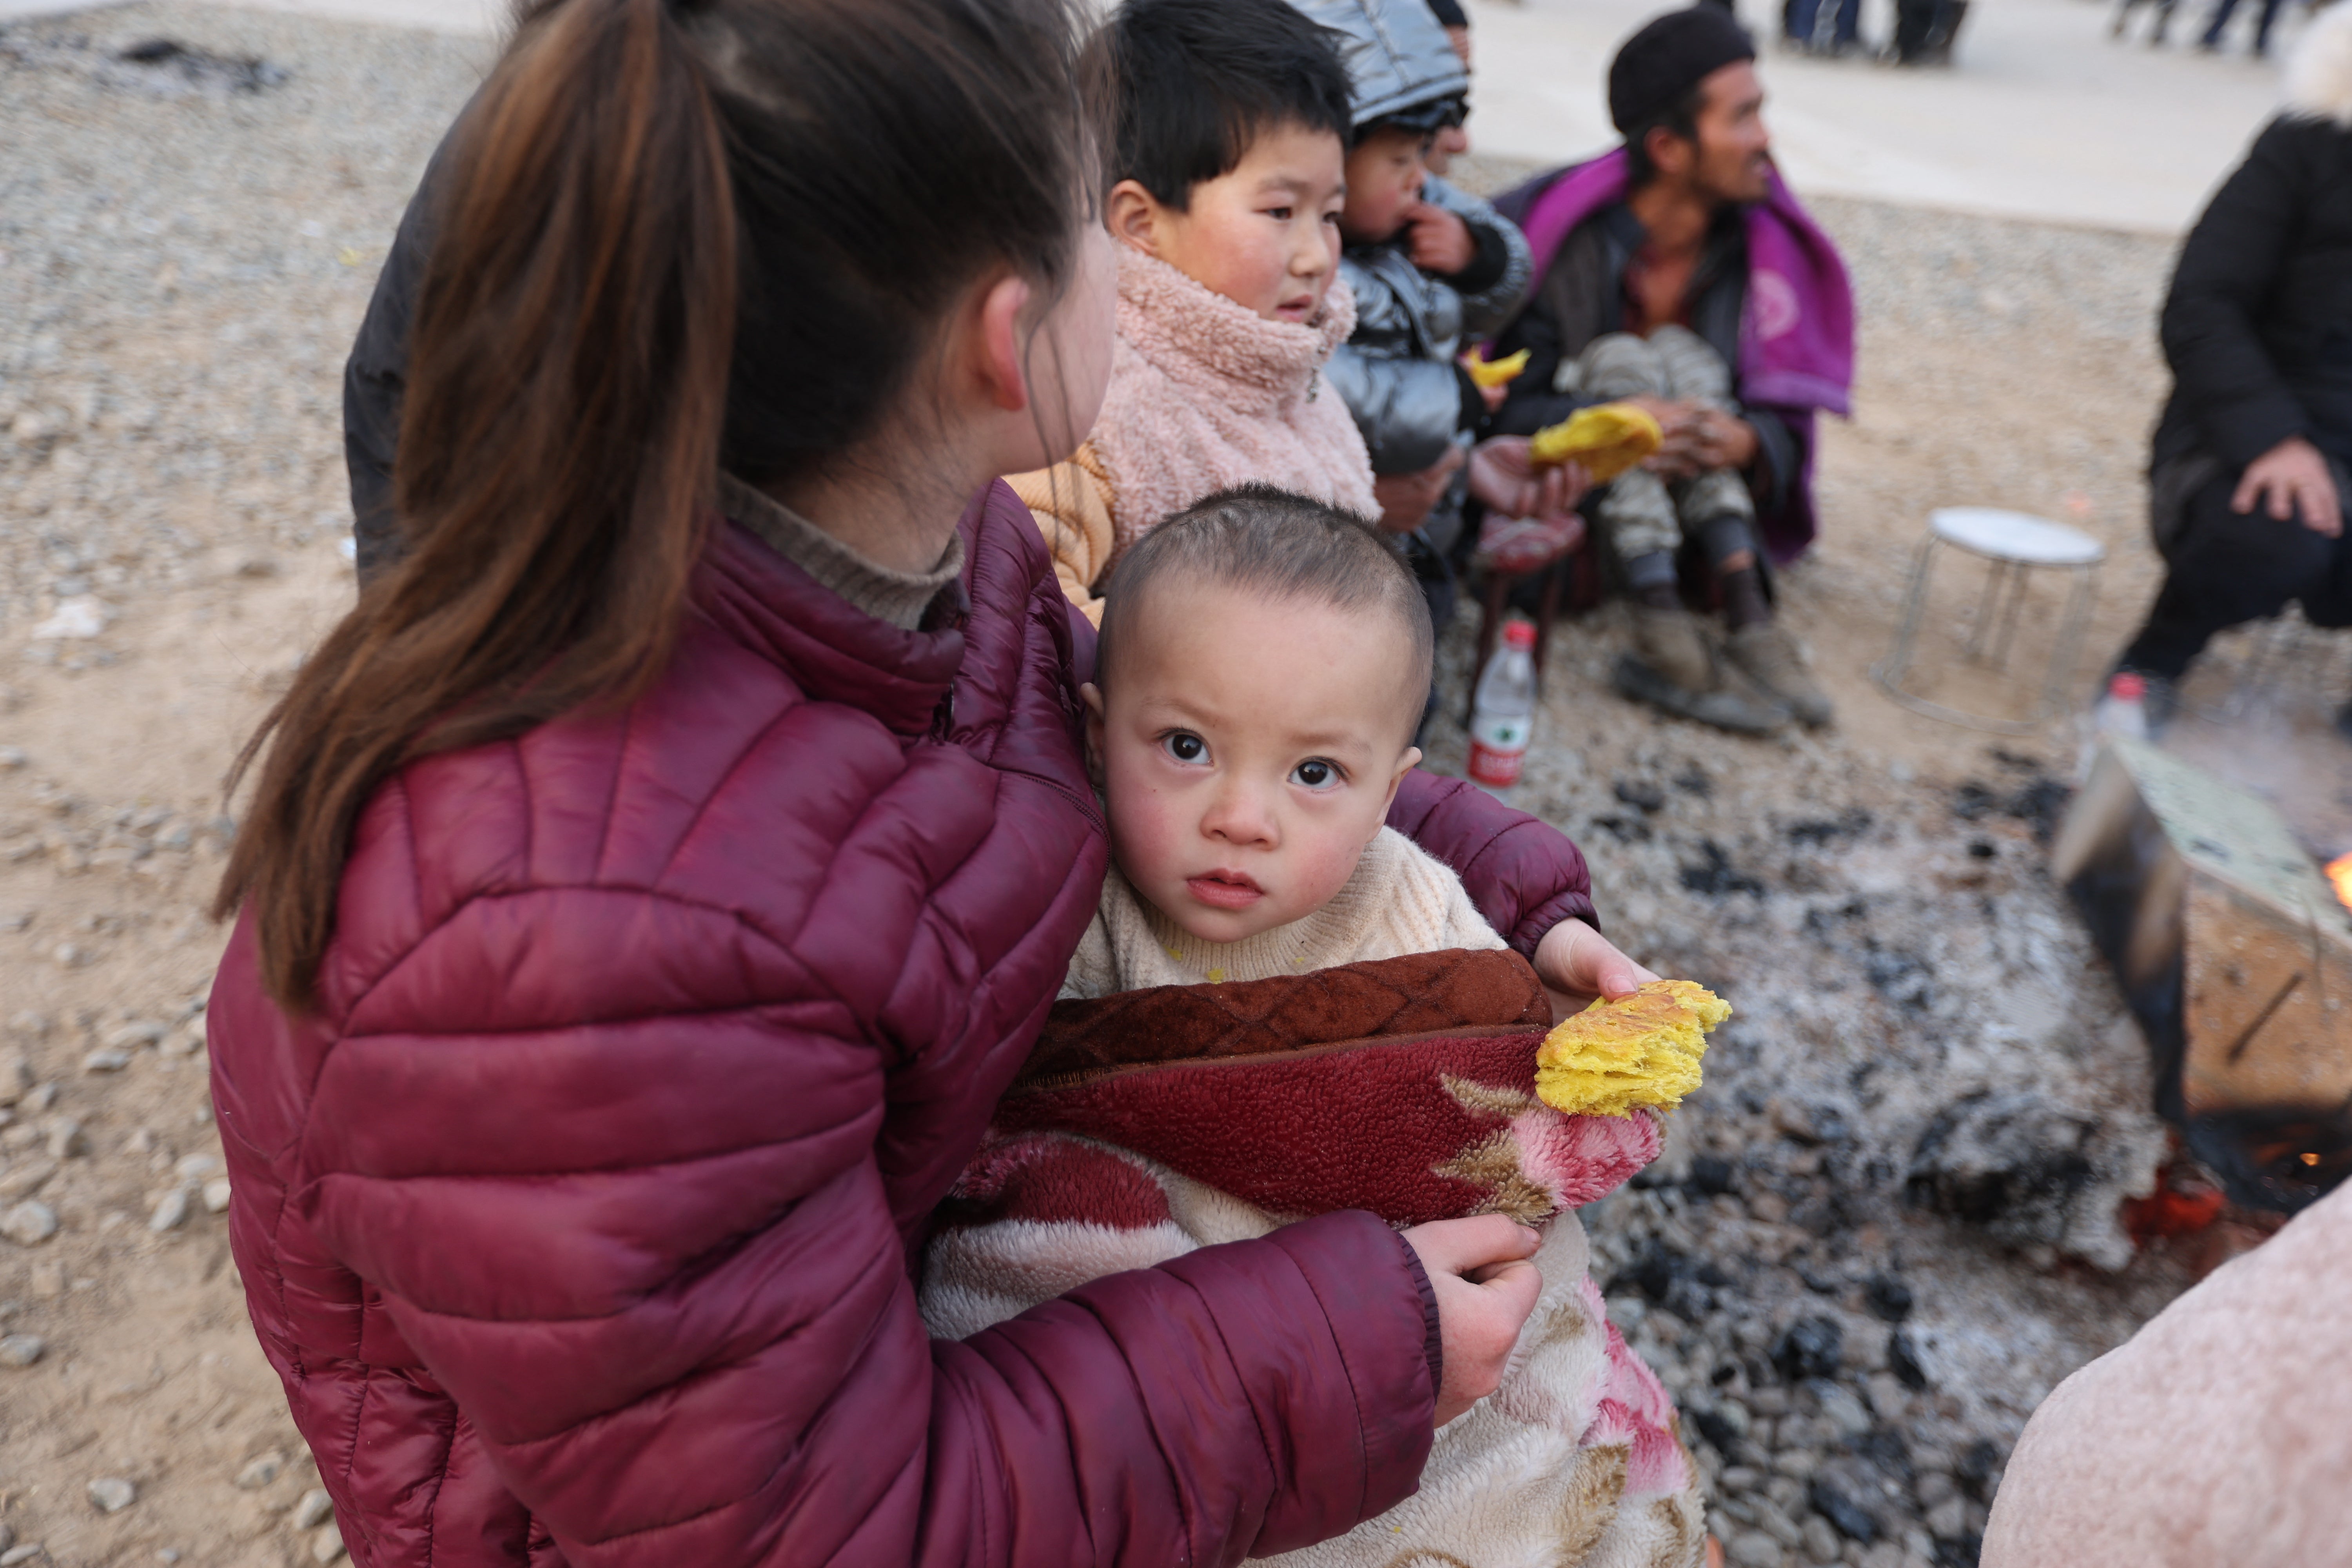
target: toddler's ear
<point>1405,764</point>
<point>1091,695</point>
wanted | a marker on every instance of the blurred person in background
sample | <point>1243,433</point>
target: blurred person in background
<point>1687,235</point>
<point>2251,466</point>
<point>2220,24</point>
<point>1433,270</point>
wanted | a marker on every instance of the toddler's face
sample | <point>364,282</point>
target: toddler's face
<point>1249,749</point>
<point>1264,236</point>
<point>1384,175</point>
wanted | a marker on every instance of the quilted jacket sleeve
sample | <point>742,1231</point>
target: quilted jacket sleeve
<point>2211,324</point>
<point>609,1159</point>
<point>1524,874</point>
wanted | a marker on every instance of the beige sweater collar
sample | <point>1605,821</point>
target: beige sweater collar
<point>1332,935</point>
<point>886,594</point>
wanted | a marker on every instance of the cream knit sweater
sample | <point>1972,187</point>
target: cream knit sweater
<point>1398,901</point>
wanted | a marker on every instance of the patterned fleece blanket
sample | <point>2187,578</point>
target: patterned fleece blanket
<point>1152,1122</point>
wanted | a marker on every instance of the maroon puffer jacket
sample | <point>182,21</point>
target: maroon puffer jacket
<point>579,1222</point>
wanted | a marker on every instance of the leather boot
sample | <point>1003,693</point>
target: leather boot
<point>1768,657</point>
<point>1674,667</point>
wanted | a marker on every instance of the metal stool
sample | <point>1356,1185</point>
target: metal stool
<point>2013,542</point>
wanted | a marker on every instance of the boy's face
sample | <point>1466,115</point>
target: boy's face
<point>1264,235</point>
<point>1384,174</point>
<point>1248,749</point>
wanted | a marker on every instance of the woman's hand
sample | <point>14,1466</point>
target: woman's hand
<point>1577,963</point>
<point>2293,479</point>
<point>1503,476</point>
<point>1486,1287</point>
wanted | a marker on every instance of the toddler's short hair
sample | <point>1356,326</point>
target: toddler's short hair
<point>1270,542</point>
<point>1198,80</point>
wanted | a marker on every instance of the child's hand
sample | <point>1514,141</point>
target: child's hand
<point>1437,240</point>
<point>1486,1287</point>
<point>1405,499</point>
<point>1577,963</point>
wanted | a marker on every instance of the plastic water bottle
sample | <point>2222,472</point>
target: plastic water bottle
<point>2122,711</point>
<point>1503,710</point>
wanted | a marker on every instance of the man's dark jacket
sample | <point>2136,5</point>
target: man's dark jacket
<point>2258,324</point>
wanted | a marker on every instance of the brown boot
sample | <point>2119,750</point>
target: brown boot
<point>1668,639</point>
<point>1674,667</point>
<point>1768,657</point>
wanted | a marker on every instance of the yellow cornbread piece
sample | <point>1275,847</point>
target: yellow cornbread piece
<point>1642,1049</point>
<point>1496,372</point>
<point>1606,439</point>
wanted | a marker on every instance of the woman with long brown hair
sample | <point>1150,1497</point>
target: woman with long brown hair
<point>648,889</point>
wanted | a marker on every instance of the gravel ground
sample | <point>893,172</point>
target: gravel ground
<point>1928,1086</point>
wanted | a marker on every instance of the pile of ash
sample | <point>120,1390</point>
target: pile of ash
<point>1891,1220</point>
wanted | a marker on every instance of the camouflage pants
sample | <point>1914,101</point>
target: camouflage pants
<point>1640,512</point>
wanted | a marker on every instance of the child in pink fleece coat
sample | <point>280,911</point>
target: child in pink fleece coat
<point>1229,168</point>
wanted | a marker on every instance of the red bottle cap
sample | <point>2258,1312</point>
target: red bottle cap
<point>1519,633</point>
<point>2128,686</point>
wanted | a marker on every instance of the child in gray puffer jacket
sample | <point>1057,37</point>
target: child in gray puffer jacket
<point>1434,270</point>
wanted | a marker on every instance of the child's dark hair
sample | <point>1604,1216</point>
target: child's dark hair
<point>1200,79</point>
<point>669,235</point>
<point>1276,545</point>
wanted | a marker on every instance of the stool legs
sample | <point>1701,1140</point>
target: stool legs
<point>1999,607</point>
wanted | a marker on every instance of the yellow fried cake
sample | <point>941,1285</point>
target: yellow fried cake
<point>1606,439</point>
<point>1642,1049</point>
<point>1495,372</point>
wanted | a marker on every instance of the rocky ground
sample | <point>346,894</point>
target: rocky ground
<point>1882,1230</point>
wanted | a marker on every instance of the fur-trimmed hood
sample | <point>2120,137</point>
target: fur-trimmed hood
<point>2319,76</point>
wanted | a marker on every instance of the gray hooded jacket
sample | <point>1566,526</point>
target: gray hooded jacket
<point>1397,372</point>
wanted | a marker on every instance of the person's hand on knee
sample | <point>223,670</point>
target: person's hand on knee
<point>2293,480</point>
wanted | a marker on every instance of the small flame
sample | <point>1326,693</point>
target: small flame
<point>2339,872</point>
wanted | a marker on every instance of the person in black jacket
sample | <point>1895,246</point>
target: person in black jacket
<point>2251,468</point>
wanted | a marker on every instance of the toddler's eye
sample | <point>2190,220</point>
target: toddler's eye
<point>1186,747</point>
<point>1316,774</point>
<point>1279,214</point>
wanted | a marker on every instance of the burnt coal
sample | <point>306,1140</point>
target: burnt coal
<point>1960,1551</point>
<point>2011,1162</point>
<point>1810,1347</point>
<point>1640,793</point>
<point>1850,824</point>
<point>1832,1502</point>
<point>1624,829</point>
<point>1900,975</point>
<point>1888,1299</point>
<point>1715,875</point>
<point>1978,1469</point>
<point>1713,1174</point>
<point>1666,1277</point>
<point>1719,1433</point>
<point>1982,849</point>
<point>184,66</point>
<point>2039,804</point>
<point>1903,1361</point>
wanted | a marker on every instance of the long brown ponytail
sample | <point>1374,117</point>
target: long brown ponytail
<point>673,234</point>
